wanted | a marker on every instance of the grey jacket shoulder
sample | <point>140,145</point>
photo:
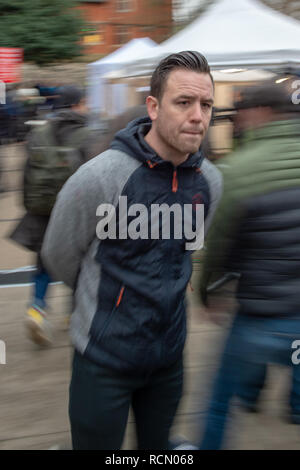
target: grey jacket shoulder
<point>111,160</point>
<point>108,171</point>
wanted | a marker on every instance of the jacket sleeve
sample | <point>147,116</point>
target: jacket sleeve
<point>221,239</point>
<point>72,226</point>
<point>215,182</point>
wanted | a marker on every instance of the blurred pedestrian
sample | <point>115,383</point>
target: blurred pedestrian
<point>256,233</point>
<point>55,150</point>
<point>117,123</point>
<point>51,94</point>
<point>128,326</point>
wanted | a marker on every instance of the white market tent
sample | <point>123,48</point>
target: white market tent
<point>226,75</point>
<point>133,50</point>
<point>233,33</point>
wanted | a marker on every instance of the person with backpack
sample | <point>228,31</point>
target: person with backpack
<point>55,150</point>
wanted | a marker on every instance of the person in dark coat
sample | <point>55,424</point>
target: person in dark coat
<point>68,124</point>
<point>256,233</point>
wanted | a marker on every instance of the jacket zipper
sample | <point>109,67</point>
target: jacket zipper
<point>110,317</point>
<point>120,296</point>
<point>175,182</point>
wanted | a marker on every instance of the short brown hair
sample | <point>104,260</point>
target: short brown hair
<point>190,60</point>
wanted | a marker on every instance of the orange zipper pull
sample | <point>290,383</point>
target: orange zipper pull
<point>150,164</point>
<point>120,296</point>
<point>175,182</point>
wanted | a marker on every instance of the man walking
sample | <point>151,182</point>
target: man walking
<point>256,233</point>
<point>129,322</point>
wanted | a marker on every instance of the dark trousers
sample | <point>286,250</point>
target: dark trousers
<point>251,341</point>
<point>253,383</point>
<point>41,281</point>
<point>100,400</point>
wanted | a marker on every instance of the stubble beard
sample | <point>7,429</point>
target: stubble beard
<point>180,147</point>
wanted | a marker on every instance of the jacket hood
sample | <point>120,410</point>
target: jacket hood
<point>131,140</point>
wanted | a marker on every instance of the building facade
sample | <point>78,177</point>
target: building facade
<point>112,23</point>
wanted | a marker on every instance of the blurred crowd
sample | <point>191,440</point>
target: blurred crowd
<point>25,103</point>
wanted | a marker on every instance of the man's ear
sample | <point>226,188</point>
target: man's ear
<point>152,107</point>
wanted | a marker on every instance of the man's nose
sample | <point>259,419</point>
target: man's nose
<point>197,113</point>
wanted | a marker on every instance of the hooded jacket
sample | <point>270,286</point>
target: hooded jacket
<point>129,293</point>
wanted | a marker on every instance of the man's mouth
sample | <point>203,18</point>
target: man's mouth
<point>193,132</point>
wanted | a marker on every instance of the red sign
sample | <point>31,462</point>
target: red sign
<point>11,59</point>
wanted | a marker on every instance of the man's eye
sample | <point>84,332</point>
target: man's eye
<point>207,105</point>
<point>183,103</point>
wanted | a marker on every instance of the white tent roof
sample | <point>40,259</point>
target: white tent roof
<point>133,50</point>
<point>130,51</point>
<point>242,30</point>
<point>242,76</point>
<point>235,33</point>
<point>226,75</point>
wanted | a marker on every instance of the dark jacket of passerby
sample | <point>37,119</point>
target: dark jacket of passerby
<point>130,293</point>
<point>70,129</point>
<point>256,230</point>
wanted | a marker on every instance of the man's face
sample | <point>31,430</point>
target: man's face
<point>181,118</point>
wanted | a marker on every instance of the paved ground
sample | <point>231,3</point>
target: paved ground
<point>34,383</point>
